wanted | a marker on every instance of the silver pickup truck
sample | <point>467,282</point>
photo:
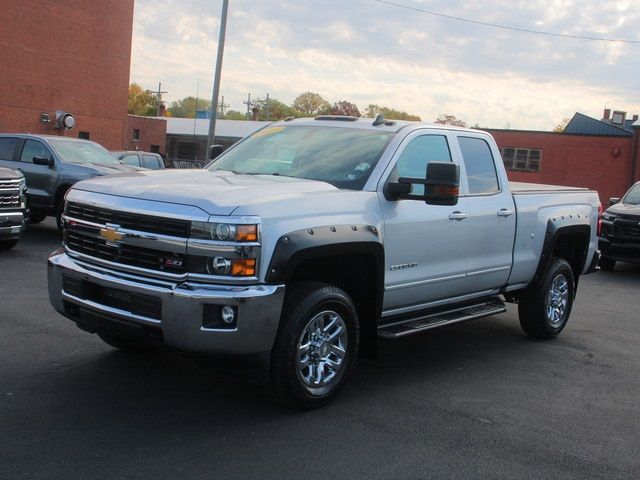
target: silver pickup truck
<point>298,248</point>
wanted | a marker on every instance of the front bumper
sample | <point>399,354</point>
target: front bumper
<point>12,224</point>
<point>620,250</point>
<point>179,323</point>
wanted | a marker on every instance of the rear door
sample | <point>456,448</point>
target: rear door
<point>425,245</point>
<point>492,218</point>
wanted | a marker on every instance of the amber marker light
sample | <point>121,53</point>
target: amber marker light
<point>246,233</point>
<point>243,267</point>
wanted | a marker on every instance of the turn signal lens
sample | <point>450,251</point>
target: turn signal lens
<point>246,233</point>
<point>243,267</point>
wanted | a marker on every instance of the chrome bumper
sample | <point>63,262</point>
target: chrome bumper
<point>12,224</point>
<point>183,308</point>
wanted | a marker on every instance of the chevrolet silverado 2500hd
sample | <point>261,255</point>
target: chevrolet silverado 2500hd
<point>13,207</point>
<point>309,240</point>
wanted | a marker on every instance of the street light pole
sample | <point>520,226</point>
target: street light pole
<point>216,79</point>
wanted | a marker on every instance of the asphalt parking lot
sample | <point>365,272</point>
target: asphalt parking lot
<point>477,400</point>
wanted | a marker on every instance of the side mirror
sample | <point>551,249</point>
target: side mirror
<point>614,200</point>
<point>442,186</point>
<point>43,161</point>
<point>214,151</point>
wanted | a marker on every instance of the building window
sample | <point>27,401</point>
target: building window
<point>84,135</point>
<point>154,149</point>
<point>136,134</point>
<point>521,159</point>
<point>186,150</point>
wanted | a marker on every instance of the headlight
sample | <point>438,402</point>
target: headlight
<point>23,184</point>
<point>225,232</point>
<point>609,216</point>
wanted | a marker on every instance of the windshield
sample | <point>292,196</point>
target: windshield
<point>73,151</point>
<point>343,157</point>
<point>633,195</point>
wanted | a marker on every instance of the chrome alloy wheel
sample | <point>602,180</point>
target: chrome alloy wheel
<point>557,300</point>
<point>322,349</point>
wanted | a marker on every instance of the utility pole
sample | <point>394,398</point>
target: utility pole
<point>216,78</point>
<point>195,116</point>
<point>222,106</point>
<point>158,93</point>
<point>266,108</point>
<point>248,104</point>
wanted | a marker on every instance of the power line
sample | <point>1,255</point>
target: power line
<point>507,27</point>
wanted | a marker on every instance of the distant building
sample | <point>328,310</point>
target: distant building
<point>187,137</point>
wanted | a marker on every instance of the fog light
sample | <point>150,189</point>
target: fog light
<point>219,266</point>
<point>228,314</point>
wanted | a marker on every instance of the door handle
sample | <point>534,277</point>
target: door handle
<point>505,212</point>
<point>457,215</point>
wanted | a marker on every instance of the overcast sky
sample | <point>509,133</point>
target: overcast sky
<point>367,52</point>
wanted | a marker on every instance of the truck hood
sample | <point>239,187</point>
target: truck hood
<point>624,209</point>
<point>217,193</point>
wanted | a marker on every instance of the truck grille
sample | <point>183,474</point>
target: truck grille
<point>627,228</point>
<point>9,198</point>
<point>86,240</point>
<point>9,184</point>
<point>132,221</point>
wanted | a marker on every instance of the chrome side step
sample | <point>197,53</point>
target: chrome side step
<point>447,317</point>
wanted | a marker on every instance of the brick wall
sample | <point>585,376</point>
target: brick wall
<point>151,131</point>
<point>599,163</point>
<point>71,55</point>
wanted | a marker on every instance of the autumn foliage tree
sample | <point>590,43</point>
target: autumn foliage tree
<point>311,104</point>
<point>447,119</point>
<point>373,111</point>
<point>141,101</point>
<point>344,107</point>
<point>186,108</point>
<point>562,125</point>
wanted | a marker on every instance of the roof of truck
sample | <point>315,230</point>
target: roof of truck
<point>388,125</point>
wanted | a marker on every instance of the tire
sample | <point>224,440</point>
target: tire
<point>544,309</point>
<point>126,344</point>
<point>323,318</point>
<point>37,217</point>
<point>607,264</point>
<point>7,244</point>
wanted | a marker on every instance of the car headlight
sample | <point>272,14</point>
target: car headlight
<point>609,216</point>
<point>226,232</point>
<point>23,184</point>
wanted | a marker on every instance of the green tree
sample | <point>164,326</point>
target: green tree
<point>186,108</point>
<point>447,119</point>
<point>344,107</point>
<point>372,111</point>
<point>311,104</point>
<point>275,110</point>
<point>141,102</point>
<point>234,115</point>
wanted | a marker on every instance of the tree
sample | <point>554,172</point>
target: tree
<point>234,115</point>
<point>311,104</point>
<point>372,111</point>
<point>562,125</point>
<point>275,110</point>
<point>345,108</point>
<point>447,119</point>
<point>141,102</point>
<point>186,108</point>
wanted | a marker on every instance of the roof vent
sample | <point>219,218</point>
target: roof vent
<point>618,117</point>
<point>340,118</point>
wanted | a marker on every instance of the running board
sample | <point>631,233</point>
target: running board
<point>447,317</point>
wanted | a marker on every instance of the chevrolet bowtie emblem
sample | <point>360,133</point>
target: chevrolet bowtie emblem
<point>111,234</point>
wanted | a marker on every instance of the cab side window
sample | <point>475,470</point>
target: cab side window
<point>131,160</point>
<point>7,147</point>
<point>479,164</point>
<point>151,161</point>
<point>418,153</point>
<point>32,149</point>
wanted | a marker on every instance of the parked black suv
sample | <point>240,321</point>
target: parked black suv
<point>620,237</point>
<point>13,207</point>
<point>51,164</point>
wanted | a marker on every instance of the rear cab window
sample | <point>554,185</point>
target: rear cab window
<point>151,161</point>
<point>131,160</point>
<point>479,163</point>
<point>7,147</point>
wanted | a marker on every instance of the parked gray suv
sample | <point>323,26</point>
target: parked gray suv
<point>52,164</point>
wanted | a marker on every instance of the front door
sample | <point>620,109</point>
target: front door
<point>40,179</point>
<point>425,245</point>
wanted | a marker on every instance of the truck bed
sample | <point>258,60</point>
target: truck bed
<point>522,188</point>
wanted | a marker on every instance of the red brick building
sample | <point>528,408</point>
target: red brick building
<point>608,164</point>
<point>72,56</point>
<point>148,134</point>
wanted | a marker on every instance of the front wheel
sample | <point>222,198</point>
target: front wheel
<point>316,345</point>
<point>7,244</point>
<point>545,307</point>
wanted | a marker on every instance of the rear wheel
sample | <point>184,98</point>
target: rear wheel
<point>7,244</point>
<point>316,345</point>
<point>545,308</point>
<point>607,264</point>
